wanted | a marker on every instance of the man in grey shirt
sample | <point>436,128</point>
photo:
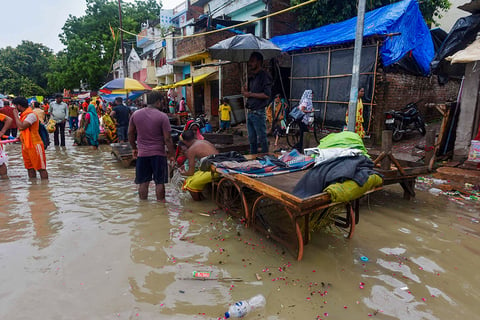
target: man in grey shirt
<point>59,113</point>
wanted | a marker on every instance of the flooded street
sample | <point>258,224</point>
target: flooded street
<point>82,246</point>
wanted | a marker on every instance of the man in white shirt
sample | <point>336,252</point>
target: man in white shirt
<point>59,113</point>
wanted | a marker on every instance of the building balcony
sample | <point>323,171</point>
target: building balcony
<point>164,70</point>
<point>199,3</point>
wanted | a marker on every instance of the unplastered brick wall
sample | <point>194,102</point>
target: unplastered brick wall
<point>200,43</point>
<point>396,90</point>
<point>231,76</point>
<point>285,23</point>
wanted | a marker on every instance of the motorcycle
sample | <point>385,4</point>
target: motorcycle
<point>201,122</point>
<point>403,121</point>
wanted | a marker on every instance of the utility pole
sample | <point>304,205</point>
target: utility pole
<point>125,68</point>
<point>357,54</point>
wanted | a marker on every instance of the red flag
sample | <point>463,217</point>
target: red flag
<point>113,32</point>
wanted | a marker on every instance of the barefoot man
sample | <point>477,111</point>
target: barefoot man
<point>33,151</point>
<point>197,149</point>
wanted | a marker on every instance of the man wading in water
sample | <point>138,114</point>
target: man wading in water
<point>148,134</point>
<point>33,151</point>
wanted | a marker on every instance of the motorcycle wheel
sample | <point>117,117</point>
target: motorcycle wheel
<point>397,134</point>
<point>421,126</point>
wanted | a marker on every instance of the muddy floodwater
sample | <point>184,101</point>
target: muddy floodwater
<point>82,246</point>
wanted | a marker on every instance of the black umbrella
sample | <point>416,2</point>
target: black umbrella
<point>239,48</point>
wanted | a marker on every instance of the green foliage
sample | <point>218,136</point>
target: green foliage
<point>324,12</point>
<point>89,42</point>
<point>24,69</point>
<point>33,69</point>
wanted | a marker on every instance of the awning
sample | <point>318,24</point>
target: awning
<point>194,57</point>
<point>185,82</point>
<point>165,86</point>
<point>195,79</point>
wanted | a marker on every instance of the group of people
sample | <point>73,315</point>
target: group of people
<point>87,120</point>
<point>152,144</point>
<point>147,130</point>
<point>174,107</point>
<point>258,91</point>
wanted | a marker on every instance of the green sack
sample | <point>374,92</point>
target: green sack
<point>344,139</point>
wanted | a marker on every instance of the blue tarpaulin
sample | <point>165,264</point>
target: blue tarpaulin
<point>403,17</point>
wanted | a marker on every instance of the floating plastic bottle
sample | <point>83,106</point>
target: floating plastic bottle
<point>241,308</point>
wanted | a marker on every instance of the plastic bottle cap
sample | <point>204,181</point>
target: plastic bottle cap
<point>364,259</point>
<point>227,315</point>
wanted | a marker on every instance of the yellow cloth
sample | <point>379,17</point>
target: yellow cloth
<point>110,128</point>
<point>197,182</point>
<point>358,119</point>
<point>279,108</point>
<point>224,110</point>
<point>349,190</point>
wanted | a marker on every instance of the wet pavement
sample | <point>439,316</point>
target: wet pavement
<point>82,246</point>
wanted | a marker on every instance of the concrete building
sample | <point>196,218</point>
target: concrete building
<point>449,18</point>
<point>210,80</point>
<point>166,17</point>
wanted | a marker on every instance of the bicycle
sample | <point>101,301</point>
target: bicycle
<point>292,131</point>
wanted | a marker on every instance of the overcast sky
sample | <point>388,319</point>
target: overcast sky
<point>41,21</point>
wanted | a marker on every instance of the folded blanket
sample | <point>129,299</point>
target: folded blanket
<point>357,168</point>
<point>268,165</point>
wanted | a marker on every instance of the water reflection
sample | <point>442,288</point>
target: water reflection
<point>43,212</point>
<point>84,246</point>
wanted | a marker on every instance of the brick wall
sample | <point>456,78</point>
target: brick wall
<point>284,23</point>
<point>192,45</point>
<point>231,79</point>
<point>396,90</point>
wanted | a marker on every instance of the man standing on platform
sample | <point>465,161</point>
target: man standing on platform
<point>59,113</point>
<point>258,94</point>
